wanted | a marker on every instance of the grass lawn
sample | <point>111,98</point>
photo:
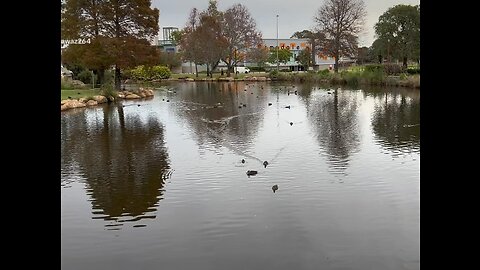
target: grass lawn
<point>79,93</point>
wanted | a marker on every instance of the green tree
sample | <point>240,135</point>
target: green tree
<point>314,38</point>
<point>170,59</point>
<point>284,56</point>
<point>340,21</point>
<point>399,29</point>
<point>378,50</point>
<point>305,58</point>
<point>362,55</point>
<point>119,31</point>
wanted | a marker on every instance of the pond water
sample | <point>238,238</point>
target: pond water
<point>151,184</point>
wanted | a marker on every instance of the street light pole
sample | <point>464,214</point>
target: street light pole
<point>277,44</point>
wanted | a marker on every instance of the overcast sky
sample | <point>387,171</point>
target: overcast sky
<point>294,15</point>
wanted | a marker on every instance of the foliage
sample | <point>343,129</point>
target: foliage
<point>239,30</point>
<point>340,21</point>
<point>305,58</point>
<point>398,30</point>
<point>413,70</point>
<point>66,84</point>
<point>258,55</point>
<point>108,91</point>
<point>145,73</point>
<point>314,38</point>
<point>362,55</point>
<point>392,69</point>
<point>373,67</point>
<point>284,56</point>
<point>119,33</point>
<point>86,76</point>
<point>170,60</point>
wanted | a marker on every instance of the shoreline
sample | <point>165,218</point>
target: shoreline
<point>141,93</point>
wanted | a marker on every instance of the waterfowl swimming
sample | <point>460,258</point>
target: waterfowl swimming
<point>244,105</point>
<point>69,97</point>
<point>269,104</point>
<point>243,160</point>
<point>240,107</point>
<point>291,123</point>
<point>168,100</point>
<point>265,163</point>
<point>275,188</point>
<point>251,172</point>
<point>288,107</point>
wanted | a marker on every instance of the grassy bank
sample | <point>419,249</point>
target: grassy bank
<point>79,93</point>
<point>351,78</point>
<point>215,75</point>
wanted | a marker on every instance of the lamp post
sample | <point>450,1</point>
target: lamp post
<point>277,45</point>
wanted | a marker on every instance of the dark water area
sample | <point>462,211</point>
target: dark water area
<point>151,184</point>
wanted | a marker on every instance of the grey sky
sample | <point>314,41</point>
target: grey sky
<point>294,15</point>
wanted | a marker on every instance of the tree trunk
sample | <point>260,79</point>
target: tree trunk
<point>196,70</point>
<point>229,66</point>
<point>208,70</point>
<point>100,75</point>
<point>118,82</point>
<point>336,63</point>
<point>405,62</point>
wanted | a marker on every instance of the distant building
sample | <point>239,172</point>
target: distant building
<point>295,45</point>
<point>167,44</point>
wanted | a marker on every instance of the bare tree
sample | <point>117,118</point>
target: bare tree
<point>239,29</point>
<point>341,21</point>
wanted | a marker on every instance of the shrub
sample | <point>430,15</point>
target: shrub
<point>160,72</point>
<point>126,74</point>
<point>273,73</point>
<point>392,69</point>
<point>66,84</point>
<point>150,73</point>
<point>108,77</point>
<point>108,91</point>
<point>324,72</point>
<point>373,68</point>
<point>86,77</point>
<point>351,78</point>
<point>413,71</point>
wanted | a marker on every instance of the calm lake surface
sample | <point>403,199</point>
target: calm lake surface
<point>162,185</point>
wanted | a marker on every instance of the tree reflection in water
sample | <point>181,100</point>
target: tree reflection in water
<point>123,158</point>
<point>214,112</point>
<point>396,121</point>
<point>334,120</point>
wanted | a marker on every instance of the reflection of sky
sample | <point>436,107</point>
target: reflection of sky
<point>212,211</point>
